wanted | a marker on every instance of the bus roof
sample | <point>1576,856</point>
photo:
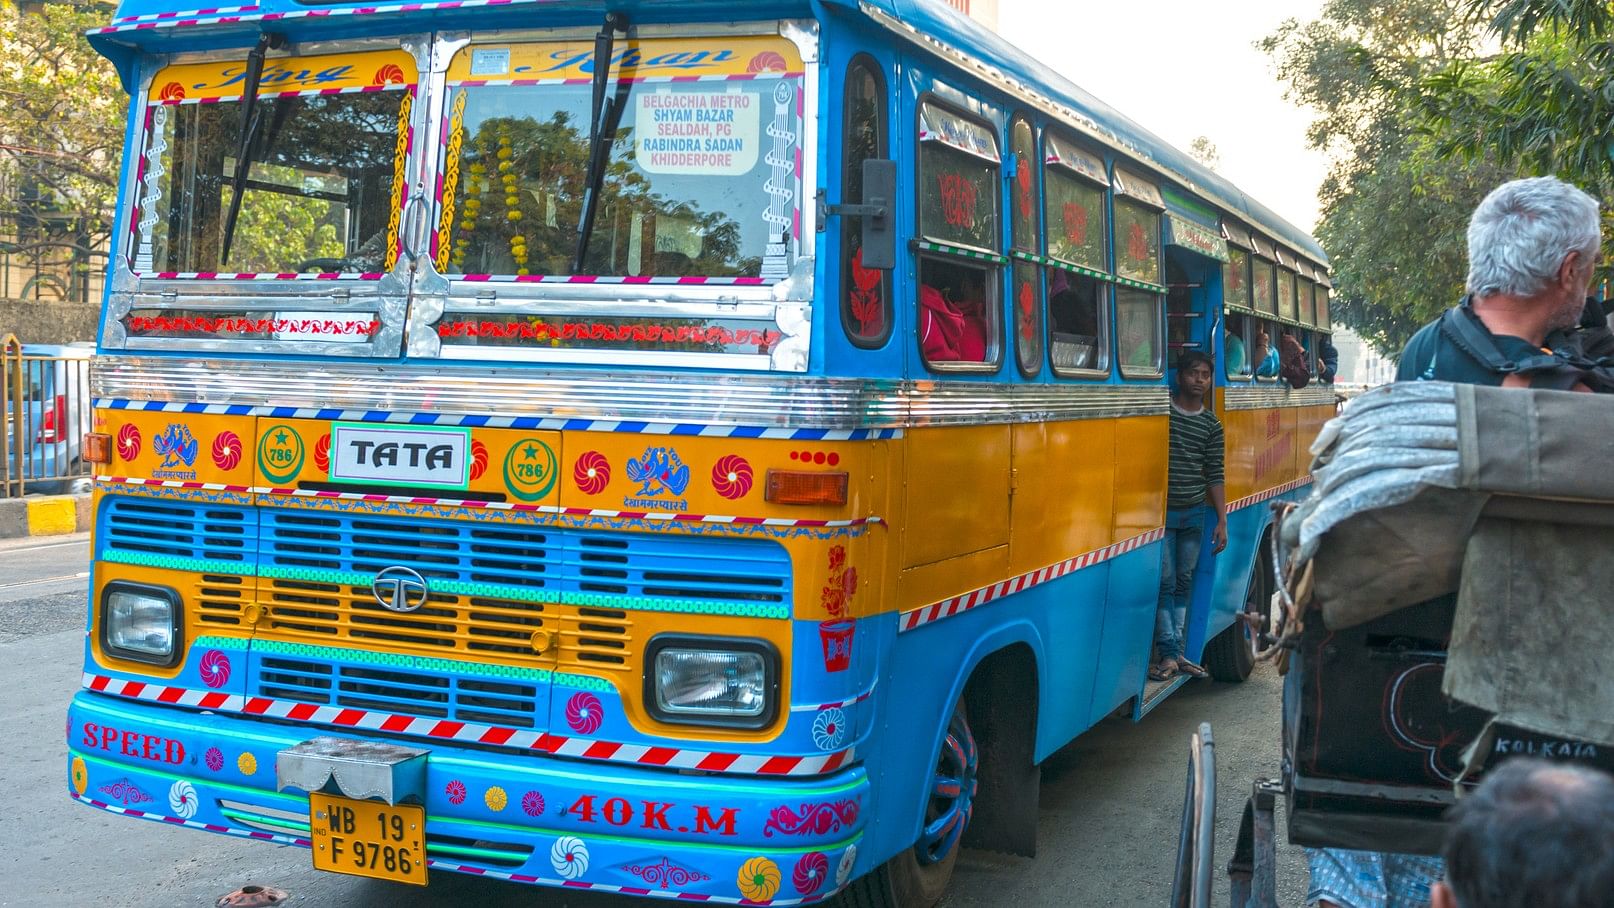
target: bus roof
<point>930,24</point>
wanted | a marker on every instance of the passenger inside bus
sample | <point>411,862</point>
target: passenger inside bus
<point>955,316</point>
<point>1073,306</point>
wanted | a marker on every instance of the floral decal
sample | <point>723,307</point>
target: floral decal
<point>867,302</point>
<point>532,804</point>
<point>821,818</point>
<point>842,584</point>
<point>455,791</point>
<point>1026,300</point>
<point>1075,220</point>
<point>1022,186</point>
<point>1137,244</point>
<point>810,872</point>
<point>958,199</point>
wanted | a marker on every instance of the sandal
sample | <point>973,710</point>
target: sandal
<point>1164,670</point>
<point>1189,668</point>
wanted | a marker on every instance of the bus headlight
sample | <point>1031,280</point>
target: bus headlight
<point>712,681</point>
<point>140,623</point>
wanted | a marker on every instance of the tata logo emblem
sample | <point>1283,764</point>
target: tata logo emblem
<point>399,589</point>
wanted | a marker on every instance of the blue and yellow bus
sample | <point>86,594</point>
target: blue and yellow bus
<point>630,447</point>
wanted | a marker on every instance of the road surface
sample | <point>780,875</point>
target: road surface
<point>1111,802</point>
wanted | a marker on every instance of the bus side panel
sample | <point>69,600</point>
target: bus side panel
<point>957,496</point>
<point>1134,581</point>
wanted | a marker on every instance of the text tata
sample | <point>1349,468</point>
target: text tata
<point>409,454</point>
<point>652,815</point>
<point>683,59</point>
<point>133,744</point>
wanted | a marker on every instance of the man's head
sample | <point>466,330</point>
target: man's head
<point>1535,239</point>
<point>1195,371</point>
<point>1534,835</point>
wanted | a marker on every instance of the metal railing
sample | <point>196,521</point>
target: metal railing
<point>45,394</point>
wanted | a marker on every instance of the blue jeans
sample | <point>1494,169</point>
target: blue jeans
<point>1179,555</point>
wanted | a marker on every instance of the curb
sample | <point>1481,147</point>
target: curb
<point>44,515</point>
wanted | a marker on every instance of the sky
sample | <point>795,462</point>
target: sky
<point>1187,68</point>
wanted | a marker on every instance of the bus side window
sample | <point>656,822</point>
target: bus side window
<point>1076,233</point>
<point>865,292</point>
<point>960,270</point>
<point>1028,287</point>
<point>1138,312</point>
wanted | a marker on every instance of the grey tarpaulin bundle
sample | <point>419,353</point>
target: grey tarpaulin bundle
<point>1504,496</point>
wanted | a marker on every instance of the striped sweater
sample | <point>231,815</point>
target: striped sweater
<point>1196,457</point>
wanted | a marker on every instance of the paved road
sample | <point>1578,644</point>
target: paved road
<point>1111,802</point>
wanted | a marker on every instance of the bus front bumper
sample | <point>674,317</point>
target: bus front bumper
<point>522,816</point>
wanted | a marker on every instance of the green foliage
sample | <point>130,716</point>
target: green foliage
<point>1583,21</point>
<point>61,115</point>
<point>1395,208</point>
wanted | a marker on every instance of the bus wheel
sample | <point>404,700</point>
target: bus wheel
<point>917,877</point>
<point>1230,655</point>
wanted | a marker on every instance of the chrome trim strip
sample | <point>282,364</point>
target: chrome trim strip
<point>1267,397</point>
<point>661,397</point>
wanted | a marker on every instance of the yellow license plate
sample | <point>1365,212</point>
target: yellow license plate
<point>368,838</point>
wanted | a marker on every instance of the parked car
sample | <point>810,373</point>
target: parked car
<point>55,388</point>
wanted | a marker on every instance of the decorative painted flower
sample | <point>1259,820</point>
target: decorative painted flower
<point>128,442</point>
<point>867,304</point>
<point>584,713</point>
<point>214,669</point>
<point>322,453</point>
<point>182,799</point>
<point>766,62</point>
<point>1022,178</point>
<point>455,791</point>
<point>532,804</point>
<point>479,459</point>
<point>227,450</point>
<point>569,857</point>
<point>829,728</point>
<point>1027,299</point>
<point>844,869</point>
<point>495,799</point>
<point>1075,218</point>
<point>173,91</point>
<point>214,759</point>
<point>391,74</point>
<point>1137,244</point>
<point>732,476</point>
<point>80,775</point>
<point>810,872</point>
<point>759,879</point>
<point>247,763</point>
<point>592,472</point>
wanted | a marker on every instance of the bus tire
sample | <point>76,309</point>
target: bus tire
<point>917,877</point>
<point>1230,655</point>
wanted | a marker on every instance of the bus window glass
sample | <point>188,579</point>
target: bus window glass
<point>866,293</point>
<point>324,172</point>
<point>958,189</point>
<point>1137,241</point>
<point>699,179</point>
<point>1236,279</point>
<point>958,312</point>
<point>1240,350</point>
<point>1023,213</point>
<point>1263,281</point>
<point>1078,340</point>
<point>1322,308</point>
<point>1287,307</point>
<point>1078,228</point>
<point>1028,317</point>
<point>1308,310</point>
<point>1137,332</point>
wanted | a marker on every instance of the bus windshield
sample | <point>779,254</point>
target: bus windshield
<point>320,194</point>
<point>701,177</point>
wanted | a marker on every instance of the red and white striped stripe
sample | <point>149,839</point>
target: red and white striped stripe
<point>958,605</point>
<point>445,730</point>
<point>190,824</point>
<point>641,80</point>
<point>607,279</point>
<point>260,276</point>
<point>300,93</point>
<point>1269,494</point>
<point>669,516</point>
<point>204,11</point>
<point>811,708</point>
<point>321,13</point>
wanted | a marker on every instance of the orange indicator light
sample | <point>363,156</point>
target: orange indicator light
<point>796,487</point>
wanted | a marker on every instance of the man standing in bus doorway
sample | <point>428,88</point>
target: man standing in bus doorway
<point>1532,249</point>
<point>1194,474</point>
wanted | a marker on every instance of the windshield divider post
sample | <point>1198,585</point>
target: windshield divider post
<point>603,119</point>
<point>249,127</point>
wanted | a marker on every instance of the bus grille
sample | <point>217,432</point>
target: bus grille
<point>435,696</point>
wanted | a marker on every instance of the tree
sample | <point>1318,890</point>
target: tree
<point>61,130</point>
<point>1394,209</point>
<point>1205,152</point>
<point>1546,105</point>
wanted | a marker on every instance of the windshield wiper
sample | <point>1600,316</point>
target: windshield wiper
<point>249,128</point>
<point>604,116</point>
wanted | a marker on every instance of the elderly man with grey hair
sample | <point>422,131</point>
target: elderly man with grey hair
<point>1532,250</point>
